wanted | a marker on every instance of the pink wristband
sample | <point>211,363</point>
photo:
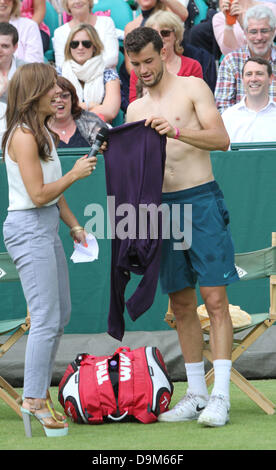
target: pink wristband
<point>177,133</point>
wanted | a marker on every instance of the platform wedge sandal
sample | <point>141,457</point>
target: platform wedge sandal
<point>52,427</point>
<point>56,414</point>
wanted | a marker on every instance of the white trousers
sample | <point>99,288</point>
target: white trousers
<point>32,240</point>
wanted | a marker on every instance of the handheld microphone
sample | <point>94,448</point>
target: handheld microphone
<point>101,137</point>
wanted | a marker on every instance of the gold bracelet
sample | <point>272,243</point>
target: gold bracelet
<point>75,229</point>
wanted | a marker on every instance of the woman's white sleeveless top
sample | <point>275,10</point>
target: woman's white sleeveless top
<point>19,198</point>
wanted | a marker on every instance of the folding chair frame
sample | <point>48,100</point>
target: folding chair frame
<point>21,326</point>
<point>239,380</point>
<point>239,346</point>
<point>7,392</point>
<point>12,339</point>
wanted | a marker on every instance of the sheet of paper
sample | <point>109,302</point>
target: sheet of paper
<point>82,254</point>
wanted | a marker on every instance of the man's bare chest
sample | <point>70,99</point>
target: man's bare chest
<point>178,113</point>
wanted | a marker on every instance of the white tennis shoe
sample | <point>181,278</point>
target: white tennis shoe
<point>216,412</point>
<point>187,409</point>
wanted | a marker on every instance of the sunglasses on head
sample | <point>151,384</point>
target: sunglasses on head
<point>165,33</point>
<point>74,44</point>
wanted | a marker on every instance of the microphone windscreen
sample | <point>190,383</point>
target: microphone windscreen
<point>102,135</point>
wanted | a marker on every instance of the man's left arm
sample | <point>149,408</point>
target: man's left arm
<point>211,136</point>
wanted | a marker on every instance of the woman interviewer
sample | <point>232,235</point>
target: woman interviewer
<point>36,203</point>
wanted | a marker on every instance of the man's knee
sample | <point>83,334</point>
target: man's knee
<point>216,301</point>
<point>183,303</point>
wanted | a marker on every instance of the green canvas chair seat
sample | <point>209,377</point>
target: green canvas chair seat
<point>13,329</point>
<point>256,319</point>
<point>250,266</point>
<point>256,264</point>
<point>8,270</point>
<point>7,326</point>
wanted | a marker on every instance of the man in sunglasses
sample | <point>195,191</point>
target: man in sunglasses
<point>259,26</point>
<point>183,109</point>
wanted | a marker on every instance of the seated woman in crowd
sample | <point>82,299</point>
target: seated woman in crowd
<point>36,9</point>
<point>97,87</point>
<point>74,126</point>
<point>149,7</point>
<point>231,37</point>
<point>171,30</point>
<point>30,48</point>
<point>104,25</point>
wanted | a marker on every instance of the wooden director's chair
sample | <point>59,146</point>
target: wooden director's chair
<point>14,329</point>
<point>253,265</point>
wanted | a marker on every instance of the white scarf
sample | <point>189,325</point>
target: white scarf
<point>91,73</point>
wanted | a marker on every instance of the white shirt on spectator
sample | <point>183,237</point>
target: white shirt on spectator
<point>3,125</point>
<point>30,48</point>
<point>106,30</point>
<point>245,125</point>
<point>15,63</point>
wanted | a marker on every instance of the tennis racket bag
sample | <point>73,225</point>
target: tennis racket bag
<point>128,384</point>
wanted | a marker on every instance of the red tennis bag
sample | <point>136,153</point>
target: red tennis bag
<point>127,384</point>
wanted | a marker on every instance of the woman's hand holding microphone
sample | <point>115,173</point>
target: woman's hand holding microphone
<point>84,167</point>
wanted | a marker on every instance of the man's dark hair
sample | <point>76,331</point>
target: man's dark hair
<point>7,29</point>
<point>139,38</point>
<point>261,61</point>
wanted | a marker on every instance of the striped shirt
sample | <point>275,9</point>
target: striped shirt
<point>229,88</point>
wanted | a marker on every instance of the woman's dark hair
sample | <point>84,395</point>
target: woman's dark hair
<point>66,85</point>
<point>139,38</point>
<point>28,84</point>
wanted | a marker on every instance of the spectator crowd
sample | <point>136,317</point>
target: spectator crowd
<point>213,42</point>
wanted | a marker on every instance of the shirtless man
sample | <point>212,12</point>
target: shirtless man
<point>183,108</point>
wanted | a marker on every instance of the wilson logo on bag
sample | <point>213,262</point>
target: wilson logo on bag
<point>128,384</point>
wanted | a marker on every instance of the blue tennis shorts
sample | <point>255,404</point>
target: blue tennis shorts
<point>199,247</point>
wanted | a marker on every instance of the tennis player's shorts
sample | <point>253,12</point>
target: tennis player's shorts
<point>197,244</point>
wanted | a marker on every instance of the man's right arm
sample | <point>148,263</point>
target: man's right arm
<point>130,113</point>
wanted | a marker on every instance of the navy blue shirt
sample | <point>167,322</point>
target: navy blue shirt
<point>134,163</point>
<point>76,141</point>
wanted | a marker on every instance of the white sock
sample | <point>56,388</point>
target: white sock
<point>196,378</point>
<point>222,370</point>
